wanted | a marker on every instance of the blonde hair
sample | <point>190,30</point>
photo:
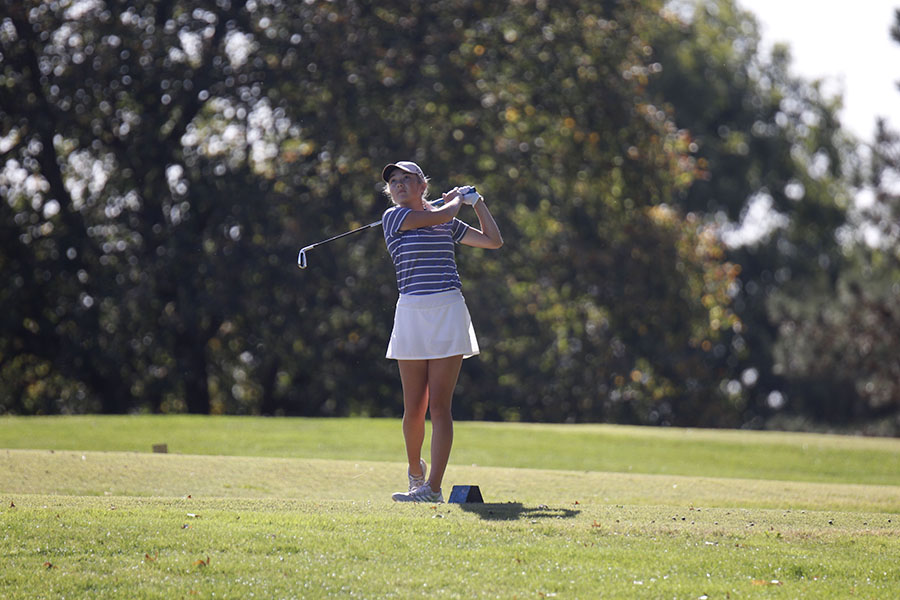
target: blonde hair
<point>387,189</point>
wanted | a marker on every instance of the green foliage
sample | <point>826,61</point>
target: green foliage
<point>163,163</point>
<point>768,145</point>
<point>115,216</point>
<point>846,339</point>
<point>845,336</point>
<point>167,162</point>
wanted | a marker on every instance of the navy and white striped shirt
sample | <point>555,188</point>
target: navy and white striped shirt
<point>424,257</point>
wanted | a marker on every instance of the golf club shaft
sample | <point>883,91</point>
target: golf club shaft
<point>301,258</point>
<point>345,234</point>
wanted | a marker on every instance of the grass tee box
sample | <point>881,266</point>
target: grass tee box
<point>297,508</point>
<point>607,448</point>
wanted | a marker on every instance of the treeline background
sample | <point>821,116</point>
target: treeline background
<point>682,242</point>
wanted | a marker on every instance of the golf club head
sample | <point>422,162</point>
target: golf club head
<point>301,258</point>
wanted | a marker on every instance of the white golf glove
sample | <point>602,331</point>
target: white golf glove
<point>469,195</point>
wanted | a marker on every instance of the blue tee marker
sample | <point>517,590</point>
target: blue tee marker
<point>465,494</point>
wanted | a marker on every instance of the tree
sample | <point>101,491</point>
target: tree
<point>115,219</point>
<point>775,176</point>
<point>183,152</point>
<point>546,108</point>
<point>844,343</point>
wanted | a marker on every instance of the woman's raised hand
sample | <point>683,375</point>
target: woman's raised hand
<point>451,195</point>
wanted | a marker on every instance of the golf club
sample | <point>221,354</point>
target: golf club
<point>301,258</point>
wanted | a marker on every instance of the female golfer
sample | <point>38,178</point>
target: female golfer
<point>432,329</point>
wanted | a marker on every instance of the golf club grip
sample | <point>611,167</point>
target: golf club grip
<point>466,189</point>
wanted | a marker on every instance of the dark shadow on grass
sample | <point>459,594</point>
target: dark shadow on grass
<point>511,511</point>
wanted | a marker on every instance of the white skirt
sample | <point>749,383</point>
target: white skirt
<point>432,326</point>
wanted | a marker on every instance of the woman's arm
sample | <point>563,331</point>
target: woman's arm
<point>436,216</point>
<point>489,237</point>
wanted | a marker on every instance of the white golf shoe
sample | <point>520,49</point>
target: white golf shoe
<point>417,482</point>
<point>421,494</point>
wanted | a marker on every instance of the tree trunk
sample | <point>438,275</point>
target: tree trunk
<point>195,375</point>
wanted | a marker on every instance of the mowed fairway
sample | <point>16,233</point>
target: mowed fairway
<point>300,508</point>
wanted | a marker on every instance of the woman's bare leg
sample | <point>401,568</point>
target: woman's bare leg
<point>414,376</point>
<point>442,374</point>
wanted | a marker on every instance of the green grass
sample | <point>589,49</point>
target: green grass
<point>702,453</point>
<point>295,508</point>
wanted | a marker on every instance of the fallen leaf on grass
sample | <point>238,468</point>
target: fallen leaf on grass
<point>149,558</point>
<point>201,563</point>
<point>596,524</point>
<point>49,565</point>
